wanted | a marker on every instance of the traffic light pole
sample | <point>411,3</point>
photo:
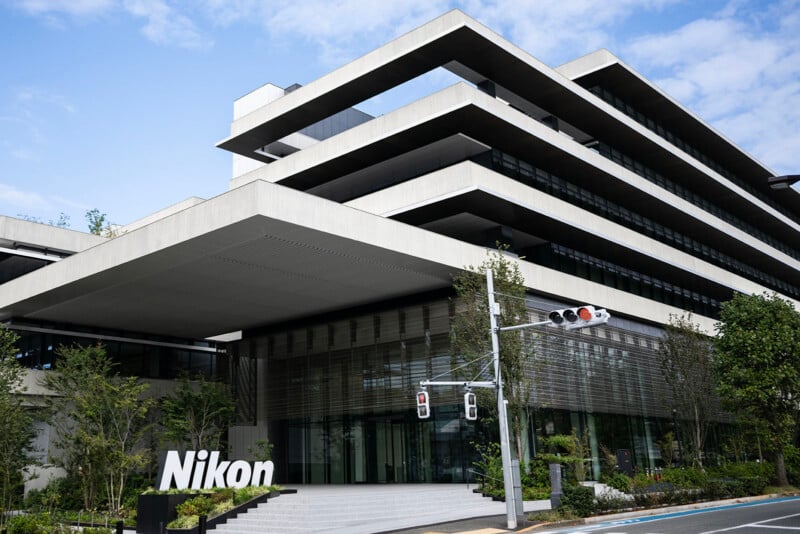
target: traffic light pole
<point>502,414</point>
<point>570,318</point>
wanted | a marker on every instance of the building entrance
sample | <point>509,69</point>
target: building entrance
<point>373,449</point>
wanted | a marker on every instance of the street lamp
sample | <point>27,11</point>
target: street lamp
<point>783,182</point>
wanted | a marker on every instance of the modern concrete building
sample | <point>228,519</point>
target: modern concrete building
<point>327,265</point>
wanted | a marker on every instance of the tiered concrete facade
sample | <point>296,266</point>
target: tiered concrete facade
<point>332,254</point>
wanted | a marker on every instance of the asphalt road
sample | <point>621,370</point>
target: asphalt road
<point>776,516</point>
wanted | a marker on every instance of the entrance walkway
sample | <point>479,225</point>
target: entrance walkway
<point>367,509</point>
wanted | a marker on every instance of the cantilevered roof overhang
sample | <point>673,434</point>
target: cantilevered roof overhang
<point>258,254</point>
<point>605,69</point>
<point>263,254</point>
<point>464,110</point>
<point>468,201</point>
<point>474,52</point>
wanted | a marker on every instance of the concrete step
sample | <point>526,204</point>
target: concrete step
<point>364,509</point>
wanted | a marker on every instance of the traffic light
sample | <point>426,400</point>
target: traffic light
<point>423,405</point>
<point>583,316</point>
<point>470,406</point>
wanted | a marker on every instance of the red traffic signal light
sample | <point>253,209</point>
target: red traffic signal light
<point>423,405</point>
<point>583,316</point>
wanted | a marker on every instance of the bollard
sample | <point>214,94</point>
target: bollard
<point>555,486</point>
<point>517,484</point>
<point>120,526</point>
<point>202,526</point>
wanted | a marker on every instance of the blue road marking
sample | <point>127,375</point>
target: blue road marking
<point>645,519</point>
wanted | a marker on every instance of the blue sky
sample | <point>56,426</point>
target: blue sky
<point>117,104</point>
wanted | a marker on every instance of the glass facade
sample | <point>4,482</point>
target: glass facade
<point>338,398</point>
<point>664,132</point>
<point>147,358</point>
<point>337,394</point>
<point>553,185</point>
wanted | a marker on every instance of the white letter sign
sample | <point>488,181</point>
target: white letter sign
<point>203,470</point>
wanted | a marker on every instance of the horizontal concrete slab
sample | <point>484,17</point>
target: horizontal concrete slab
<point>258,254</point>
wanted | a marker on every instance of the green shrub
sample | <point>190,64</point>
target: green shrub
<point>248,493</point>
<point>578,499</point>
<point>200,505</point>
<point>754,485</point>
<point>765,470</point>
<point>649,500</point>
<point>184,521</point>
<point>537,474</point>
<point>685,477</point>
<point>620,482</point>
<point>222,495</point>
<point>60,493</point>
<point>781,490</point>
<point>641,482</point>
<point>535,494</point>
<point>97,530</point>
<point>29,524</point>
<point>490,467</point>
<point>607,503</point>
<point>552,516</point>
<point>723,489</point>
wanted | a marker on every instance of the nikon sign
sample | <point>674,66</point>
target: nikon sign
<point>203,470</point>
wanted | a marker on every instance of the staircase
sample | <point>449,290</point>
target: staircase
<point>365,509</point>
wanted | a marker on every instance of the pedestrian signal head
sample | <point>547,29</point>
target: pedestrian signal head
<point>423,405</point>
<point>470,406</point>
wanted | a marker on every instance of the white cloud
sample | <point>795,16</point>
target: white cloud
<point>737,69</point>
<point>33,97</point>
<point>24,154</point>
<point>728,66</point>
<point>78,8</point>
<point>345,29</point>
<point>165,25</point>
<point>556,32</point>
<point>25,121</point>
<point>227,12</point>
<point>24,200</point>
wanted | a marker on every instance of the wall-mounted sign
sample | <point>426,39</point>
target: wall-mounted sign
<point>203,470</point>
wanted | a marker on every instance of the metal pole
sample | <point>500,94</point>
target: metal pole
<point>502,416</point>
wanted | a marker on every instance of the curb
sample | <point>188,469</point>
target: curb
<point>651,512</point>
<point>679,508</point>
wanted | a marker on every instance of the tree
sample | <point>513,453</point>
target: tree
<point>687,367</point>
<point>61,222</point>
<point>18,432</point>
<point>471,341</point>
<point>97,221</point>
<point>99,224</point>
<point>261,450</point>
<point>757,364</point>
<point>198,414</point>
<point>100,420</point>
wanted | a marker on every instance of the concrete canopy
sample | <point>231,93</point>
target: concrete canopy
<point>258,254</point>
